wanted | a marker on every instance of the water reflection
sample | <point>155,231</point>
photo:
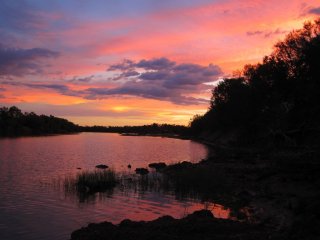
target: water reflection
<point>145,198</point>
<point>32,208</point>
<point>146,205</point>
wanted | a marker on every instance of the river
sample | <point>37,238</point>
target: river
<point>33,207</point>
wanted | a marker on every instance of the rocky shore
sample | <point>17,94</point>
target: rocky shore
<point>276,196</point>
<point>199,225</point>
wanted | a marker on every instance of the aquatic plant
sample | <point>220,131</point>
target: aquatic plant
<point>91,181</point>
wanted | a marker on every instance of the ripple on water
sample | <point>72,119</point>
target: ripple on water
<point>30,208</point>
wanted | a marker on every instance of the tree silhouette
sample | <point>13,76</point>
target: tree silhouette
<point>14,123</point>
<point>276,100</point>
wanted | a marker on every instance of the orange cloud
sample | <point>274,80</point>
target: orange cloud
<point>229,34</point>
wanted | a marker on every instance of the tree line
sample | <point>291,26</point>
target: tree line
<point>273,102</point>
<point>151,129</point>
<point>13,122</point>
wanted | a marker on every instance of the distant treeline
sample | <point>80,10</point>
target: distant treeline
<point>13,122</point>
<point>153,129</point>
<point>274,102</point>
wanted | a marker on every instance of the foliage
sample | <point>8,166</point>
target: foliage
<point>14,123</point>
<point>152,129</point>
<point>276,100</point>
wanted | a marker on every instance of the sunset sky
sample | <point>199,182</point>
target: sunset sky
<point>133,62</point>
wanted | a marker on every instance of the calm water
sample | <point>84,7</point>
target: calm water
<point>32,207</point>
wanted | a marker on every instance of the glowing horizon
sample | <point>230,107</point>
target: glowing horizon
<point>135,62</point>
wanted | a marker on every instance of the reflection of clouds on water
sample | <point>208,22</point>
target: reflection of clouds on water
<point>151,205</point>
<point>36,210</point>
<point>145,198</point>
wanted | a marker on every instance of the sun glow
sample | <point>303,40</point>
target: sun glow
<point>100,69</point>
<point>120,108</point>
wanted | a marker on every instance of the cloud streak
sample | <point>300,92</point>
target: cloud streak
<point>168,46</point>
<point>19,62</point>
<point>162,79</point>
<point>315,11</point>
<point>158,78</point>
<point>266,34</point>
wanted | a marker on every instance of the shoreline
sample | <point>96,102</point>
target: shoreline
<point>270,190</point>
<point>278,189</point>
<point>190,227</point>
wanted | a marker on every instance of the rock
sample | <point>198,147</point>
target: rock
<point>179,166</point>
<point>157,166</point>
<point>102,166</point>
<point>199,225</point>
<point>201,214</point>
<point>142,171</point>
<point>94,231</point>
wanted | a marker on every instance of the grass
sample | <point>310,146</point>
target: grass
<point>91,181</point>
<point>185,180</point>
<point>153,181</point>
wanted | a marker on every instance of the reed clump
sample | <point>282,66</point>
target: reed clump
<point>91,181</point>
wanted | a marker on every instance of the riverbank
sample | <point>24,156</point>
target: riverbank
<point>278,190</point>
<point>163,135</point>
<point>199,225</point>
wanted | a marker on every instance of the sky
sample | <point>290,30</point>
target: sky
<point>133,62</point>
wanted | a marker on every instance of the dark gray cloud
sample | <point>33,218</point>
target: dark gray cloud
<point>155,64</point>
<point>125,74</point>
<point>160,78</point>
<point>315,11</point>
<point>60,88</point>
<point>76,79</point>
<point>158,75</point>
<point>125,65</point>
<point>135,89</point>
<point>162,69</point>
<point>19,62</point>
<point>130,74</point>
<point>152,64</point>
<point>143,90</point>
